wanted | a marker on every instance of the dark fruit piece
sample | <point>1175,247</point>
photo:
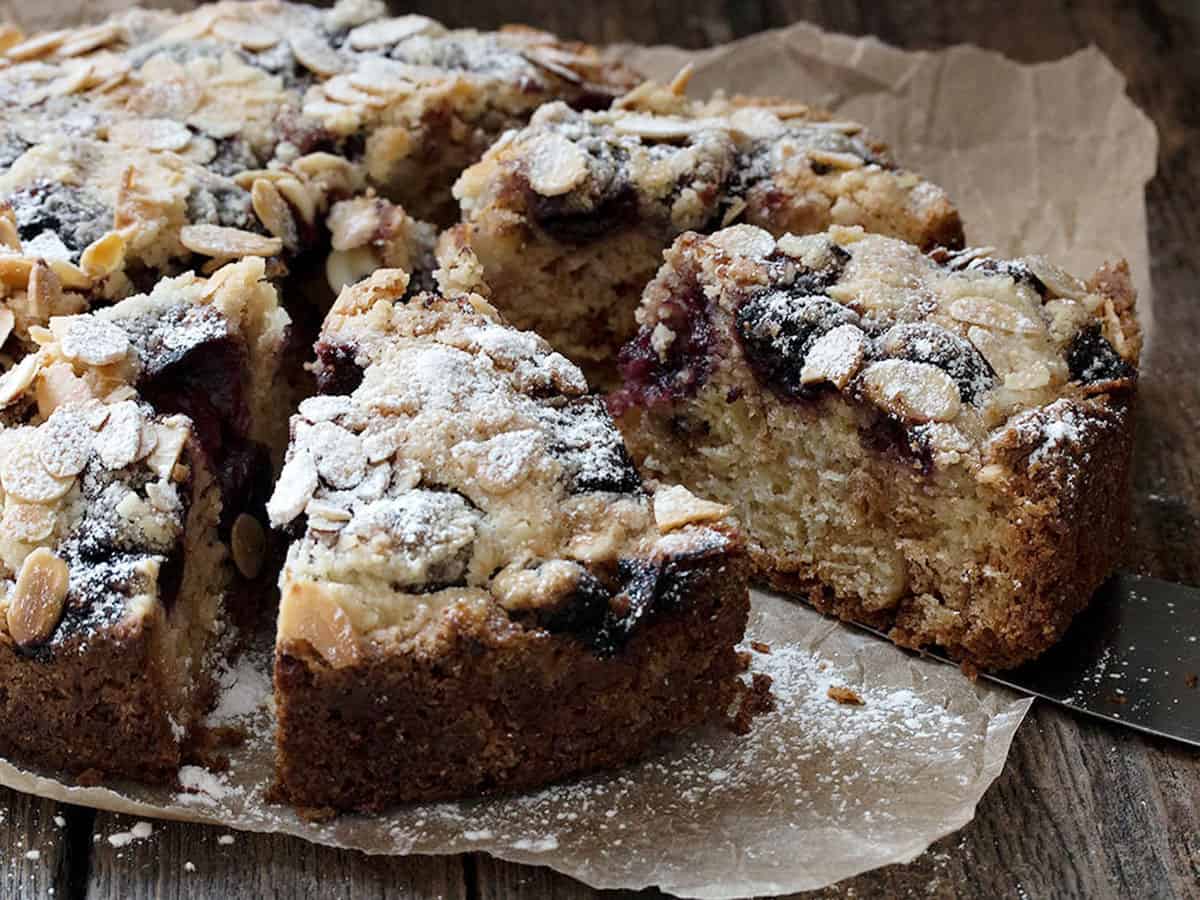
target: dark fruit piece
<point>1091,358</point>
<point>777,330</point>
<point>956,356</point>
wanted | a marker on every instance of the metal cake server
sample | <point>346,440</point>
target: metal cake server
<point>1132,658</point>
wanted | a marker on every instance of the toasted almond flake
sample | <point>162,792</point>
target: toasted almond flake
<point>248,543</point>
<point>22,472</point>
<point>676,506</point>
<point>57,384</point>
<point>163,496</point>
<point>172,435</point>
<point>297,483</point>
<point>992,314</point>
<point>88,40</point>
<point>835,357</point>
<point>388,32</point>
<point>275,214</point>
<point>89,340</point>
<point>148,441</point>
<point>10,36</point>
<point>8,234</point>
<point>74,82</point>
<point>299,196</point>
<point>43,290</point>
<point>37,46</point>
<point>1059,282</point>
<point>1031,377</point>
<point>38,597</point>
<point>70,275</point>
<point>916,392</point>
<point>744,240</point>
<point>65,443</point>
<point>556,166</point>
<point>658,128</point>
<point>118,394</point>
<point>340,89</point>
<point>339,455</point>
<point>150,134</point>
<point>17,380</point>
<point>835,160</point>
<point>247,35</point>
<point>28,522</point>
<point>7,320</point>
<point>223,242</point>
<point>121,437</point>
<point>328,511</point>
<point>14,270</point>
<point>315,54</point>
<point>104,255</point>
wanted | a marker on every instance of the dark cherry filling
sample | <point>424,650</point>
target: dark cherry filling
<point>1091,358</point>
<point>337,371</point>
<point>605,611</point>
<point>590,448</point>
<point>558,218</point>
<point>957,357</point>
<point>74,215</point>
<point>650,380</point>
<point>777,330</point>
<point>890,437</point>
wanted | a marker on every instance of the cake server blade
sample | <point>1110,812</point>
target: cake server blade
<point>1132,658</point>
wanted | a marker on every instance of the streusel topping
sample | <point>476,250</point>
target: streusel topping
<point>468,465</point>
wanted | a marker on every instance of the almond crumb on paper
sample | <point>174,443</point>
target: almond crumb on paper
<point>225,840</point>
<point>844,695</point>
<point>760,647</point>
<point>1191,679</point>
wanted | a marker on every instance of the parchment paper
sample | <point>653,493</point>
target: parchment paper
<point>817,792</point>
<point>1049,158</point>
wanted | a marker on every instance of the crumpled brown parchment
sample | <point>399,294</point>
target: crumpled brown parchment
<point>1050,159</point>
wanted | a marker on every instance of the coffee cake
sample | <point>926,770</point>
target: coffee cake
<point>132,542</point>
<point>480,593</point>
<point>935,445</point>
<point>570,216</point>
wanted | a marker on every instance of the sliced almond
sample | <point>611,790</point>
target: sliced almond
<point>10,36</point>
<point>28,522</point>
<point>43,291</point>
<point>992,314</point>
<point>346,267</point>
<point>172,436</point>
<point>275,214</point>
<point>7,321</point>
<point>163,496</point>
<point>744,240</point>
<point>676,506</point>
<point>17,380</point>
<point>389,32</point>
<point>58,384</point>
<point>658,128</point>
<point>834,160</point>
<point>556,166</point>
<point>65,442</point>
<point>22,472</point>
<point>119,440</point>
<point>297,483</point>
<point>247,35</point>
<point>835,357</point>
<point>104,255</point>
<point>150,134</point>
<point>9,237</point>
<point>90,340</point>
<point>227,243</point>
<point>37,46</point>
<point>299,196</point>
<point>88,40</point>
<point>38,597</point>
<point>248,544</point>
<point>915,392</point>
<point>315,54</point>
<point>1059,282</point>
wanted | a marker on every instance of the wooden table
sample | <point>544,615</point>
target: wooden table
<point>1081,810</point>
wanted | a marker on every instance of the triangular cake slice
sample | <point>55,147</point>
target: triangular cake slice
<point>481,594</point>
<point>132,464</point>
<point>937,445</point>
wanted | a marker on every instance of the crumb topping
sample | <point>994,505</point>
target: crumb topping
<point>469,466</point>
<point>951,347</point>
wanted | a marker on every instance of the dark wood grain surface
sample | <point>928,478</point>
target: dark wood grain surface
<point>1082,810</point>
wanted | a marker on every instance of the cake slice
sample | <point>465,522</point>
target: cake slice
<point>935,445</point>
<point>134,475</point>
<point>570,216</point>
<point>480,593</point>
